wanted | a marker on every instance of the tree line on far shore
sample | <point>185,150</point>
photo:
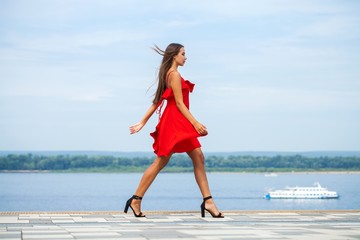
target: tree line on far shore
<point>178,163</point>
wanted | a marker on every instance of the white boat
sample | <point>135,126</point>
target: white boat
<point>270,175</point>
<point>316,192</point>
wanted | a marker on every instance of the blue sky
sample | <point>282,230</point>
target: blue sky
<point>270,75</point>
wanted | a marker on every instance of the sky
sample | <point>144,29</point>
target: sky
<point>270,75</point>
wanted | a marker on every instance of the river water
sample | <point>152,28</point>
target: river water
<point>170,191</point>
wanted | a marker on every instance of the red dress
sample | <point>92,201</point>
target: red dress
<point>174,133</point>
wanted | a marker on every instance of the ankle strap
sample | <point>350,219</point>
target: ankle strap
<point>136,197</point>
<point>207,198</point>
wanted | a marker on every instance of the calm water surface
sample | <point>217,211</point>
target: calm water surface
<point>170,191</point>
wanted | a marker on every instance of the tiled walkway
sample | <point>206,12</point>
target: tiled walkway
<point>184,225</point>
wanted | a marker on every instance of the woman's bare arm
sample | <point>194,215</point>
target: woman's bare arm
<point>138,126</point>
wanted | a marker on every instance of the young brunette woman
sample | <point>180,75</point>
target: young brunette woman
<point>176,132</point>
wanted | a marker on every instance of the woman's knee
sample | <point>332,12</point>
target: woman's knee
<point>161,162</point>
<point>197,156</point>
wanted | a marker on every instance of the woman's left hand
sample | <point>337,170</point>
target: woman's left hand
<point>201,129</point>
<point>136,127</point>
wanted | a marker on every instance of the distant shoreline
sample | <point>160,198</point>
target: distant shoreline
<point>180,163</point>
<point>131,154</point>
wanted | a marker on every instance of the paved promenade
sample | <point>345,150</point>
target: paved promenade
<point>181,225</point>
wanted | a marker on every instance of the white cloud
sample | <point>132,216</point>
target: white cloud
<point>181,23</point>
<point>234,8</point>
<point>70,42</point>
<point>286,99</point>
<point>58,89</point>
<point>61,12</point>
<point>337,26</point>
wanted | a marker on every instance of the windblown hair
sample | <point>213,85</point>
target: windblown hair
<point>168,57</point>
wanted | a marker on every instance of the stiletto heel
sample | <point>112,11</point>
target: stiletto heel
<point>203,209</point>
<point>128,204</point>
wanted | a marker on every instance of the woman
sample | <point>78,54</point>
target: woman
<point>176,132</point>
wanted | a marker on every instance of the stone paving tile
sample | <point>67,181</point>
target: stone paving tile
<point>47,237</point>
<point>11,219</point>
<point>40,221</point>
<point>95,235</point>
<point>10,235</point>
<point>63,221</point>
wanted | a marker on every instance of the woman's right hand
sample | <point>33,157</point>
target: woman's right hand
<point>136,127</point>
<point>200,128</point>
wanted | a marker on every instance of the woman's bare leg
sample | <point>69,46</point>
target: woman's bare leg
<point>198,160</point>
<point>148,177</point>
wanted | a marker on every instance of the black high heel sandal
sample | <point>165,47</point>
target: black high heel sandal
<point>128,204</point>
<point>212,214</point>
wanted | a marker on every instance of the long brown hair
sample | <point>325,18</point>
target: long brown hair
<point>168,56</point>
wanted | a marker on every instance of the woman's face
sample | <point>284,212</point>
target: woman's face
<point>180,58</point>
